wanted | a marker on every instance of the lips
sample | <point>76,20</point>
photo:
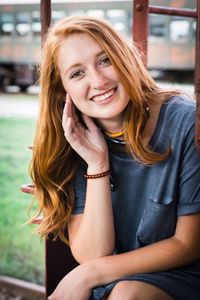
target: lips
<point>103,97</point>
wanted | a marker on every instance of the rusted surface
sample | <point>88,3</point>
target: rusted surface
<point>45,15</point>
<point>197,78</point>
<point>172,11</point>
<point>140,26</point>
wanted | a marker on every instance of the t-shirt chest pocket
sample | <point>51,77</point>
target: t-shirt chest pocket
<point>158,222</point>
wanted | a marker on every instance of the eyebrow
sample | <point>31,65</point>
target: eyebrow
<point>79,64</point>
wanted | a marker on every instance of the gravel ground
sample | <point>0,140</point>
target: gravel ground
<point>16,289</point>
<point>8,295</point>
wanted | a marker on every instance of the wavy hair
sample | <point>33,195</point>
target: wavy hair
<point>54,162</point>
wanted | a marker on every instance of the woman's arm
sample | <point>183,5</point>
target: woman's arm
<point>181,249</point>
<point>91,234</point>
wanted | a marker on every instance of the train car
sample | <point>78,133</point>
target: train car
<point>171,39</point>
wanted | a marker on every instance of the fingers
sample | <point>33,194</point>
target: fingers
<point>73,128</point>
<point>66,111</point>
<point>89,122</point>
<point>69,111</point>
<point>69,130</point>
<point>70,122</point>
<point>71,108</point>
<point>65,115</point>
<point>27,188</point>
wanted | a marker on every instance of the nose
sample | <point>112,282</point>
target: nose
<point>98,80</point>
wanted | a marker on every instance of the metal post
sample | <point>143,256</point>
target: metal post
<point>197,77</point>
<point>171,11</point>
<point>45,20</point>
<point>140,26</point>
<point>45,17</point>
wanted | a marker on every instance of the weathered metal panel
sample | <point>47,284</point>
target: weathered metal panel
<point>197,78</point>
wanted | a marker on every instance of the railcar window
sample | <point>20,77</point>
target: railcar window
<point>194,26</point>
<point>23,24</point>
<point>158,28</point>
<point>6,24</point>
<point>96,12</point>
<point>76,12</point>
<point>36,25</point>
<point>118,18</point>
<point>179,30</point>
<point>57,15</point>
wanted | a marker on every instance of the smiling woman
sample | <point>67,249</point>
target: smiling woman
<point>114,162</point>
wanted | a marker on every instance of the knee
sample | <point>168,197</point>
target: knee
<point>125,290</point>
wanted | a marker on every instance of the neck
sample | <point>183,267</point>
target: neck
<point>112,125</point>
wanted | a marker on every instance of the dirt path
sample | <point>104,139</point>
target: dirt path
<point>19,105</point>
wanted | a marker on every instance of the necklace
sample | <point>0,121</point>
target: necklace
<point>114,135</point>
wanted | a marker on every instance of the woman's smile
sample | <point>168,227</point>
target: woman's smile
<point>104,97</point>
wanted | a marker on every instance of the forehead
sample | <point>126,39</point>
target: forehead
<point>75,50</point>
<point>77,45</point>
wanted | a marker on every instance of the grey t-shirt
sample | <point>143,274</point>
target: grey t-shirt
<point>148,199</point>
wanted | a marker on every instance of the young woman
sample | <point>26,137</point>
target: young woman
<point>114,160</point>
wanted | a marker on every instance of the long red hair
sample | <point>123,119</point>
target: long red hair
<point>54,162</point>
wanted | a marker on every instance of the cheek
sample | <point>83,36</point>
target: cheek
<point>76,91</point>
<point>112,74</point>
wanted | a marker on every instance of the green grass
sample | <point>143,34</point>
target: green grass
<point>21,251</point>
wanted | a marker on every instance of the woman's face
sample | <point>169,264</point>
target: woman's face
<point>90,79</point>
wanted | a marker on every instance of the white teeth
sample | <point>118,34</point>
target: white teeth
<point>104,97</point>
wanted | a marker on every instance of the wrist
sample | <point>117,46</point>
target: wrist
<point>98,168</point>
<point>94,272</point>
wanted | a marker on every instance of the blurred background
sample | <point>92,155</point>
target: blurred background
<point>171,54</point>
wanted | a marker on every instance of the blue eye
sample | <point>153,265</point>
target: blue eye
<point>76,74</point>
<point>105,61</point>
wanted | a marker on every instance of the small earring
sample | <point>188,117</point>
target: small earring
<point>147,110</point>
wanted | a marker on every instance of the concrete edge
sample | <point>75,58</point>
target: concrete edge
<point>23,288</point>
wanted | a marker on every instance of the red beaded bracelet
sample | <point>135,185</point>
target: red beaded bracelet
<point>93,176</point>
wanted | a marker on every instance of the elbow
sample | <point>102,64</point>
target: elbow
<point>85,258</point>
<point>83,255</point>
<point>189,253</point>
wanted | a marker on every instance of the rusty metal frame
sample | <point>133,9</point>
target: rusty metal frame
<point>45,17</point>
<point>141,11</point>
<point>197,77</point>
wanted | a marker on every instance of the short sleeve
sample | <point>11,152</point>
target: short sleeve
<point>79,186</point>
<point>189,178</point>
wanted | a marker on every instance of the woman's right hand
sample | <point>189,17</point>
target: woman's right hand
<point>88,142</point>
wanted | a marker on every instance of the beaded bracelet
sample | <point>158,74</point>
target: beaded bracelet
<point>94,176</point>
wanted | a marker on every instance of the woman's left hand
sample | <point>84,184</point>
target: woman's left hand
<point>77,285</point>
